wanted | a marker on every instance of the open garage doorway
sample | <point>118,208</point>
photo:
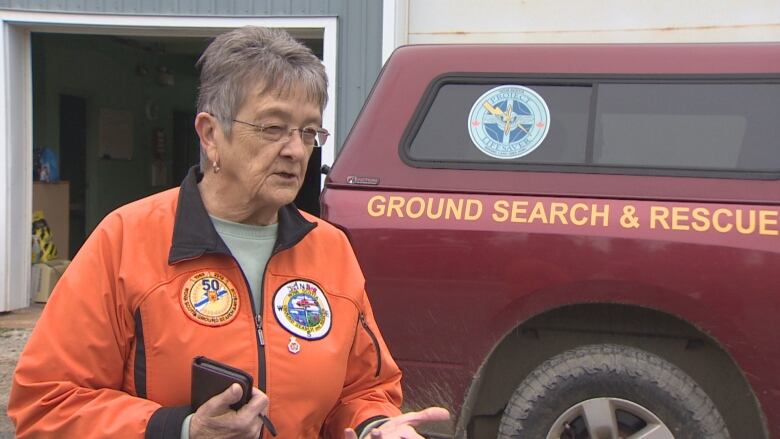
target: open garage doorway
<point>90,89</point>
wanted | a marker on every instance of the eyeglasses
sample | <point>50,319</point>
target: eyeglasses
<point>310,136</point>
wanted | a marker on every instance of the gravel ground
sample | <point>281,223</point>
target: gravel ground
<point>11,343</point>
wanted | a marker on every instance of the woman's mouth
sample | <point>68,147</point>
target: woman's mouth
<point>286,175</point>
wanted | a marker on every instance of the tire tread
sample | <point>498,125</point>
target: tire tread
<point>593,361</point>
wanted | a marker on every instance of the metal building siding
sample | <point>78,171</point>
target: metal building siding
<point>359,60</point>
<point>186,7</point>
<point>359,33</point>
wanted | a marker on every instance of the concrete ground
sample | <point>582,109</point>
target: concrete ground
<point>15,328</point>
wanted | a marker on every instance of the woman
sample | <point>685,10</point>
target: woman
<point>225,267</point>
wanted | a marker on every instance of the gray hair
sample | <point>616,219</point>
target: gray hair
<point>253,55</point>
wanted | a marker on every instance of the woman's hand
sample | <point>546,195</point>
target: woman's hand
<point>215,418</point>
<point>402,426</point>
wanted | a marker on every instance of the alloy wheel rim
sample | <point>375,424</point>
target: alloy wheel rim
<point>608,418</point>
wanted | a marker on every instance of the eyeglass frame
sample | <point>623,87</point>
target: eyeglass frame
<point>320,138</point>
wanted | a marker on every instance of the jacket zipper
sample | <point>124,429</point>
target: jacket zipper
<point>258,325</point>
<point>364,323</point>
<point>259,322</point>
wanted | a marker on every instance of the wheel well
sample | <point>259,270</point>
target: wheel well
<point>556,331</point>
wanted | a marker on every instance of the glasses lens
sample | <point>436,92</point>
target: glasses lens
<point>273,133</point>
<point>309,136</point>
<point>322,137</point>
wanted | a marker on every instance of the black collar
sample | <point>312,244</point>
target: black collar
<point>194,234</point>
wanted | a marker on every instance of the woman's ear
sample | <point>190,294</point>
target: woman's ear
<point>208,130</point>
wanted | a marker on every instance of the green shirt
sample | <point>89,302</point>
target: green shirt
<point>251,246</point>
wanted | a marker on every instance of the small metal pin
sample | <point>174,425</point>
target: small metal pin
<point>294,347</point>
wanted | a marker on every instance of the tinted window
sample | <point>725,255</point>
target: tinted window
<point>687,127</point>
<point>709,126</point>
<point>444,136</point>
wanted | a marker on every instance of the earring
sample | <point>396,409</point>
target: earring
<point>215,167</point>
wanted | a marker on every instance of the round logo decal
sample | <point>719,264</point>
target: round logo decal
<point>302,308</point>
<point>509,121</point>
<point>210,298</point>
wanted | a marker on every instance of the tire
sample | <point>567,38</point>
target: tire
<point>600,389</point>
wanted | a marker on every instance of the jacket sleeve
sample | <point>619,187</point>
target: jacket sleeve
<point>372,387</point>
<point>70,377</point>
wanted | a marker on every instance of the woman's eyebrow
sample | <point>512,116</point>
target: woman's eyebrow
<point>312,121</point>
<point>273,112</point>
<point>286,115</point>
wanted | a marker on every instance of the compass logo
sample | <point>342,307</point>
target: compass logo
<point>509,121</point>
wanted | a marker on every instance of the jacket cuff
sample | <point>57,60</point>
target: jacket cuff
<point>360,429</point>
<point>166,422</point>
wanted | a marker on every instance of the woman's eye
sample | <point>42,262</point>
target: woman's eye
<point>274,129</point>
<point>309,132</point>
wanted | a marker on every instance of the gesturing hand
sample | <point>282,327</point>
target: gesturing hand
<point>402,426</point>
<point>215,418</point>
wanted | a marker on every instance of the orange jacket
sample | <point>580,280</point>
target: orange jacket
<point>155,286</point>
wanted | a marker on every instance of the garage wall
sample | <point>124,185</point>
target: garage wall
<point>359,33</point>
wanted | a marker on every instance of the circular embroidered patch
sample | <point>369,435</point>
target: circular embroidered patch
<point>509,121</point>
<point>302,308</point>
<point>210,298</point>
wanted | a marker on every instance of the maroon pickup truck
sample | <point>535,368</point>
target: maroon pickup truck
<point>574,241</point>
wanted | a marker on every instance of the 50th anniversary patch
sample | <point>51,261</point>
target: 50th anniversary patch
<point>302,308</point>
<point>509,121</point>
<point>210,298</point>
